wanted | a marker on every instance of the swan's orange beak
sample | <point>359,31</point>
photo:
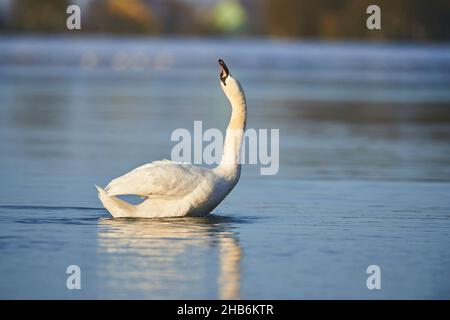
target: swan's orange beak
<point>223,71</point>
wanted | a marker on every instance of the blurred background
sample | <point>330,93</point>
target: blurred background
<point>325,19</point>
<point>364,119</point>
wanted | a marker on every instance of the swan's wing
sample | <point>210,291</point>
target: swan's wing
<point>164,178</point>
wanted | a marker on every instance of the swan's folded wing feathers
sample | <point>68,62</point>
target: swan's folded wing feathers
<point>163,178</point>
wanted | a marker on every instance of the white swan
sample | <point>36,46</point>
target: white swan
<point>175,189</point>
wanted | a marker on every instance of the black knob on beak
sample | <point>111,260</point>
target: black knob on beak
<point>223,71</point>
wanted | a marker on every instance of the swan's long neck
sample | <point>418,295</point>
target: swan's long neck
<point>230,162</point>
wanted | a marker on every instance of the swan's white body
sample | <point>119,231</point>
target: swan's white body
<point>175,189</point>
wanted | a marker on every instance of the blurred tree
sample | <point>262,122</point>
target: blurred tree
<point>401,19</point>
<point>39,16</point>
<point>229,16</point>
<point>179,18</point>
<point>122,16</point>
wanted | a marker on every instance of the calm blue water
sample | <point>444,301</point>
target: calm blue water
<point>364,169</point>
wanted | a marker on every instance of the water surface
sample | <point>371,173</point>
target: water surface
<point>364,169</point>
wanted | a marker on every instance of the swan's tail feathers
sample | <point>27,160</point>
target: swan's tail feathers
<point>117,207</point>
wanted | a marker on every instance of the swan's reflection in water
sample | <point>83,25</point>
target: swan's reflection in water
<point>170,258</point>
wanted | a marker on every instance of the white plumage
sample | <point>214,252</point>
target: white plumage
<point>175,189</point>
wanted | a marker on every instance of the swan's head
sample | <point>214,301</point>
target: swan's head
<point>229,85</point>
